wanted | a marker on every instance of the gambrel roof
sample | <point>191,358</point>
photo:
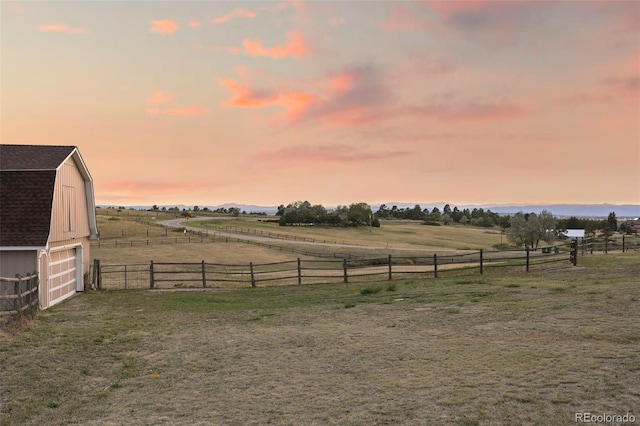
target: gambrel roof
<point>27,180</point>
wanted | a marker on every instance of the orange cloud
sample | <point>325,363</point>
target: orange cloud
<point>164,26</point>
<point>60,28</point>
<point>296,47</point>
<point>237,13</point>
<point>352,97</point>
<point>294,103</point>
<point>158,98</point>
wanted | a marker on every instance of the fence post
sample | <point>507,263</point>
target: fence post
<point>125,277</point>
<point>623,243</point>
<point>151,274</point>
<point>344,268</point>
<point>389,267</point>
<point>481,270</point>
<point>527,259</point>
<point>299,272</point>
<point>99,268</point>
<point>204,276</point>
<point>17,304</point>
<point>253,280</point>
<point>606,244</point>
<point>435,265</point>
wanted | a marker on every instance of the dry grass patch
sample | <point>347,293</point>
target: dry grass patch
<point>454,350</point>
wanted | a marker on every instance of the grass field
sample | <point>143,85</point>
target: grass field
<point>139,242</point>
<point>498,349</point>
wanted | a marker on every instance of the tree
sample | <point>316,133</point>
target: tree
<point>529,229</point>
<point>359,214</point>
<point>613,221</point>
<point>383,212</point>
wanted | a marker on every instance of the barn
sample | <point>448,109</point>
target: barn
<point>47,217</point>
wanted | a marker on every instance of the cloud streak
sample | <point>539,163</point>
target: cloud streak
<point>157,105</point>
<point>163,26</point>
<point>60,29</point>
<point>329,154</point>
<point>237,13</point>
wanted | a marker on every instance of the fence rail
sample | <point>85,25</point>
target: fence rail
<point>162,275</point>
<point>18,297</point>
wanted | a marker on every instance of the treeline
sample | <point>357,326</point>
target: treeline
<point>590,226</point>
<point>304,213</point>
<point>448,215</point>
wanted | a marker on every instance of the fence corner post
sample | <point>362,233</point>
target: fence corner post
<point>344,268</point>
<point>299,272</point>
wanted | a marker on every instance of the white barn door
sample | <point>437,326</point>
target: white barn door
<point>63,274</point>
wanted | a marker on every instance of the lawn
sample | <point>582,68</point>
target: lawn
<point>502,348</point>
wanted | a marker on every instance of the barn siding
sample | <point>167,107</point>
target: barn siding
<point>23,262</point>
<point>70,218</point>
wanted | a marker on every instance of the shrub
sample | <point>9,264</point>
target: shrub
<point>370,290</point>
<point>391,287</point>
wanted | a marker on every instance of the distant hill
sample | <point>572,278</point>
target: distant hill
<point>579,210</point>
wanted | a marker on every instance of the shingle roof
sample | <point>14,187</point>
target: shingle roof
<point>27,180</point>
<point>26,199</point>
<point>33,157</point>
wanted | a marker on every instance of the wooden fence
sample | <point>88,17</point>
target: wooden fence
<point>158,275</point>
<point>18,297</point>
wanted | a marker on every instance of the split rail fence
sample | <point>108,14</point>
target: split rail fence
<point>163,275</point>
<point>18,297</point>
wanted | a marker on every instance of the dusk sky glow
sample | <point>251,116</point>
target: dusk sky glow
<point>205,103</point>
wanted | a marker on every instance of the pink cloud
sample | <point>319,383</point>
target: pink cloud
<point>328,154</point>
<point>296,47</point>
<point>450,108</point>
<point>163,26</point>
<point>195,24</point>
<point>160,98</point>
<point>237,13</point>
<point>60,28</point>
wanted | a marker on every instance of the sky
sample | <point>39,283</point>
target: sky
<point>271,102</point>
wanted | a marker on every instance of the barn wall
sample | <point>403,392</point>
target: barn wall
<point>23,262</point>
<point>70,219</point>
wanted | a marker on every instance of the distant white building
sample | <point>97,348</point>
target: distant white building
<point>574,233</point>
